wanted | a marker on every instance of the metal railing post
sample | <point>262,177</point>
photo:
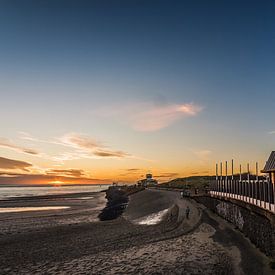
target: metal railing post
<point>264,194</point>
<point>248,183</point>
<point>260,192</point>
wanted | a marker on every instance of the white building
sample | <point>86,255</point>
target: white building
<point>148,181</point>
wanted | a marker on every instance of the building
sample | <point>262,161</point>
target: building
<point>149,180</point>
<point>270,167</point>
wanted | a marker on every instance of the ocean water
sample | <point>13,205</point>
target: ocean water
<point>15,192</point>
<point>28,209</point>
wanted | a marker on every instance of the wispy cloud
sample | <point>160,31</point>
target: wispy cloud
<point>86,146</point>
<point>7,178</point>
<point>6,143</point>
<point>167,175</point>
<point>203,156</point>
<point>133,169</point>
<point>79,141</point>
<point>66,172</point>
<point>271,132</point>
<point>203,153</point>
<point>82,146</point>
<point>109,153</point>
<point>200,173</point>
<point>130,172</point>
<point>6,163</point>
<point>27,136</point>
<point>151,117</point>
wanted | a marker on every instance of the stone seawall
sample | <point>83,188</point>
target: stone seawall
<point>256,223</point>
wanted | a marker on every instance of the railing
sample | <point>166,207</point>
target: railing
<point>256,192</point>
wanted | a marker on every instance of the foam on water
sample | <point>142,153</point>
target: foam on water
<point>85,198</point>
<point>152,219</point>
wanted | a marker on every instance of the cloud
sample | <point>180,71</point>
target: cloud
<point>108,153</point>
<point>6,163</point>
<point>132,169</point>
<point>82,146</point>
<point>162,116</point>
<point>200,173</point>
<point>66,172</point>
<point>167,175</point>
<point>271,132</point>
<point>9,174</point>
<point>11,179</point>
<point>80,141</point>
<point>149,116</point>
<point>6,143</point>
<point>203,156</point>
<point>87,147</point>
<point>27,136</point>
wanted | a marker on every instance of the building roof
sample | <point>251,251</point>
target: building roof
<point>270,164</point>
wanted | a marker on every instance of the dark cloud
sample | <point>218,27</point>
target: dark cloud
<point>30,151</point>
<point>130,171</point>
<point>6,163</point>
<point>109,153</point>
<point>14,179</point>
<point>6,173</point>
<point>66,172</point>
<point>90,146</point>
<point>167,175</point>
<point>9,144</point>
<point>200,173</point>
<point>123,174</point>
<point>81,141</point>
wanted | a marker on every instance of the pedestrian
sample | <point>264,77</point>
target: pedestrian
<point>187,212</point>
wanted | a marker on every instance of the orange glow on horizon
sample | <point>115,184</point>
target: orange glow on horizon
<point>57,183</point>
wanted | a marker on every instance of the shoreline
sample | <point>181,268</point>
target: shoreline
<point>121,246</point>
<point>74,241</point>
<point>50,197</point>
<point>80,208</point>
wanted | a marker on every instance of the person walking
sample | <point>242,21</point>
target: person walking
<point>187,212</point>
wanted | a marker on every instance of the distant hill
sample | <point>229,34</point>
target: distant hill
<point>189,182</point>
<point>199,181</point>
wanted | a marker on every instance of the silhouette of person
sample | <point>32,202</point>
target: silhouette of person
<point>187,212</point>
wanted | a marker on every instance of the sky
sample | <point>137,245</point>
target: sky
<point>101,91</point>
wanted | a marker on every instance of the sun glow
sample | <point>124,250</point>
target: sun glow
<point>57,183</point>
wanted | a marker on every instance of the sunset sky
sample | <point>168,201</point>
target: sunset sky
<point>101,91</point>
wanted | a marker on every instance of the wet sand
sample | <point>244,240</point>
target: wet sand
<point>82,208</point>
<point>73,244</point>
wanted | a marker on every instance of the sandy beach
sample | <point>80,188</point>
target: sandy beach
<point>74,241</point>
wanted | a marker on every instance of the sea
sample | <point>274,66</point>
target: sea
<point>29,191</point>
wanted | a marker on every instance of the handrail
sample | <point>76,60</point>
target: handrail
<point>257,192</point>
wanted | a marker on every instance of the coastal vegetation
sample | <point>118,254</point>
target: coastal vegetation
<point>200,182</point>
